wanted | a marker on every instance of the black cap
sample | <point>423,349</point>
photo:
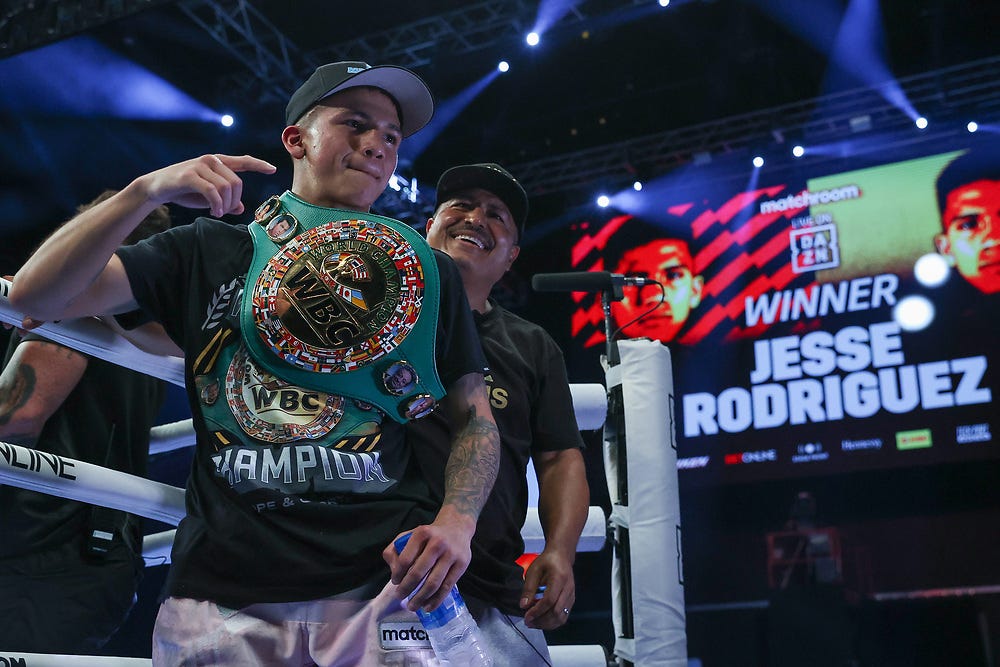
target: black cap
<point>492,178</point>
<point>410,92</point>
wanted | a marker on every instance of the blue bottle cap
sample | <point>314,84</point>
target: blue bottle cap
<point>447,610</point>
<point>400,542</point>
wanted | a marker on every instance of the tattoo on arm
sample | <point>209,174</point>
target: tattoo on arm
<point>472,465</point>
<point>15,395</point>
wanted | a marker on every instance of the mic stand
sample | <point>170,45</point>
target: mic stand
<point>614,439</point>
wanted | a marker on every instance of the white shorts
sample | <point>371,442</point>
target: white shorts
<point>345,630</point>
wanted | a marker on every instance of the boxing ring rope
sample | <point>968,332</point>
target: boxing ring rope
<point>156,546</point>
<point>589,403</point>
<point>54,660</point>
<point>89,483</point>
<point>168,437</point>
<point>91,336</point>
<point>562,656</point>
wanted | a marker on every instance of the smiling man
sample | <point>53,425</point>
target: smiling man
<point>968,192</point>
<point>479,219</point>
<point>302,477</point>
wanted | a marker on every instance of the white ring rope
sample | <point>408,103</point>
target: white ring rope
<point>156,547</point>
<point>77,480</point>
<point>53,660</point>
<point>168,437</point>
<point>85,482</point>
<point>595,532</point>
<point>590,404</point>
<point>89,483</point>
<point>93,484</point>
<point>91,336</point>
<point>562,656</point>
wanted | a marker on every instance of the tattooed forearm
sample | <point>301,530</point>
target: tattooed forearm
<point>16,391</point>
<point>472,465</point>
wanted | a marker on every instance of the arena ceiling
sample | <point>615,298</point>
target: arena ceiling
<point>616,89</point>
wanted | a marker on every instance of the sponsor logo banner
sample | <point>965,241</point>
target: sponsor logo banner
<point>917,439</point>
<point>692,462</point>
<point>967,433</point>
<point>394,635</point>
<point>762,456</point>
<point>859,445</point>
<point>810,451</point>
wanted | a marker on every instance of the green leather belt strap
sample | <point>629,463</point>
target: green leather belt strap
<point>344,302</point>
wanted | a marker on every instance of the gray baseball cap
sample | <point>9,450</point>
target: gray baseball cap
<point>416,105</point>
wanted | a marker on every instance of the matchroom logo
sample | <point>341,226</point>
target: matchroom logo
<point>919,439</point>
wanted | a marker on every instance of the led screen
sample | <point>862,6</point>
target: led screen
<point>820,324</point>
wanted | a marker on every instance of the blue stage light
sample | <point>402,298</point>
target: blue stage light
<point>503,66</point>
<point>921,123</point>
<point>226,120</point>
<point>798,151</point>
<point>532,39</point>
<point>603,201</point>
<point>758,161</point>
<point>972,126</point>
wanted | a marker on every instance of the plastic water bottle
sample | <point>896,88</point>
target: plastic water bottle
<point>453,633</point>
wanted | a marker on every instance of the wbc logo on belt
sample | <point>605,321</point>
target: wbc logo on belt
<point>338,296</point>
<point>272,410</point>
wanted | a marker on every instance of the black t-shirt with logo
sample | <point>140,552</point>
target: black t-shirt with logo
<point>282,503</point>
<point>533,408</point>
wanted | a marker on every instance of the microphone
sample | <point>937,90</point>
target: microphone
<point>585,281</point>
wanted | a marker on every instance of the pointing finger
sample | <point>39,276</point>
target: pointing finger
<point>247,163</point>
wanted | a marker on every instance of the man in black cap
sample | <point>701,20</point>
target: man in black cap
<point>302,476</point>
<point>479,219</point>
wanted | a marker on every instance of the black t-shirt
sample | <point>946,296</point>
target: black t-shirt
<point>533,408</point>
<point>105,420</point>
<point>267,520</point>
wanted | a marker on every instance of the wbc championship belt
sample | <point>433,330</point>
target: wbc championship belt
<point>343,302</point>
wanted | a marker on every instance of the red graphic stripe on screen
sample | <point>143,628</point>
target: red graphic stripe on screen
<point>584,316</point>
<point>712,318</point>
<point>589,244</point>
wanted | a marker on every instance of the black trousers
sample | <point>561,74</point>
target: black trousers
<point>59,601</point>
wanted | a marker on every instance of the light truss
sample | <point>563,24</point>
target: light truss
<point>473,27</point>
<point>971,88</point>
<point>27,24</point>
<point>275,65</point>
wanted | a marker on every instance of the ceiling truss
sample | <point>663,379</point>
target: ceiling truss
<point>275,65</point>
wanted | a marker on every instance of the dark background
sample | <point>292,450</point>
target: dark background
<point>616,91</point>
